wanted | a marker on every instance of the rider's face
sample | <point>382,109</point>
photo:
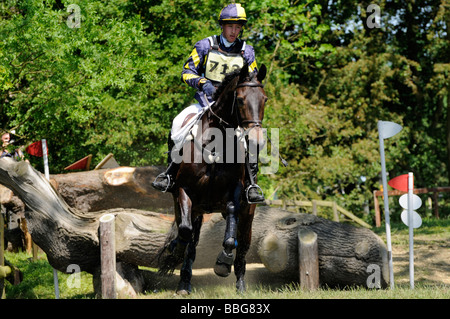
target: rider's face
<point>5,139</point>
<point>231,31</point>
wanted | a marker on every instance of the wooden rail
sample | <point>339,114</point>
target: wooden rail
<point>316,203</point>
<point>434,190</point>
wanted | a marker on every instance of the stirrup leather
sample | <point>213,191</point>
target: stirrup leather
<point>260,191</point>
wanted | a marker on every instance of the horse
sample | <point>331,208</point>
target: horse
<point>216,181</point>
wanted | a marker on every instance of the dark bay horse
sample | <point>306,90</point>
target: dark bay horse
<point>216,182</point>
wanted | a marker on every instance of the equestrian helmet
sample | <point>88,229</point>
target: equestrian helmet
<point>233,13</point>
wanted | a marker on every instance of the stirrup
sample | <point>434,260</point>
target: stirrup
<point>163,176</point>
<point>260,191</point>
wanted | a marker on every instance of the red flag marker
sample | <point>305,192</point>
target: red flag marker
<point>35,149</point>
<point>83,163</point>
<point>400,182</point>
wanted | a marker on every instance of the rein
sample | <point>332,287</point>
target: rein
<point>221,120</point>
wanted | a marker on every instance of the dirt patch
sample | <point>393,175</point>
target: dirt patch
<point>431,264</point>
<point>431,260</point>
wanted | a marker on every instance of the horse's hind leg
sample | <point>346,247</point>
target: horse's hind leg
<point>244,239</point>
<point>184,286</point>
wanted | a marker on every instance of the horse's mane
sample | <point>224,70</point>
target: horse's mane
<point>230,77</point>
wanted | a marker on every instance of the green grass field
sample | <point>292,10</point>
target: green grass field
<point>432,273</point>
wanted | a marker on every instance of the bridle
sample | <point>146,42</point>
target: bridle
<point>258,123</point>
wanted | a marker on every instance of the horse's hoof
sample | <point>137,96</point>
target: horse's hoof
<point>223,264</point>
<point>240,286</point>
<point>183,292</point>
<point>222,270</point>
<point>184,289</point>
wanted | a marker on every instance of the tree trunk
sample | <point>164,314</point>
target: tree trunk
<point>70,236</point>
<point>345,251</point>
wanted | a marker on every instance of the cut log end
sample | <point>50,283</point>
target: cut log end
<point>119,176</point>
<point>273,253</point>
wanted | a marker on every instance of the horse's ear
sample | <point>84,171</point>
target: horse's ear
<point>244,73</point>
<point>262,73</point>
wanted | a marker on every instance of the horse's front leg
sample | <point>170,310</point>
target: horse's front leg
<point>244,237</point>
<point>224,261</point>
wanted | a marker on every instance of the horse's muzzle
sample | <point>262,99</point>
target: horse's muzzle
<point>255,134</point>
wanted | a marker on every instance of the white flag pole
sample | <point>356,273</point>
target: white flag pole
<point>47,176</point>
<point>387,130</point>
<point>386,213</point>
<point>44,152</point>
<point>411,228</point>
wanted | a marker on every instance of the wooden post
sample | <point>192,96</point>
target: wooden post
<point>435,204</point>
<point>108,256</point>
<point>34,250</point>
<point>308,253</point>
<point>335,212</point>
<point>314,207</point>
<point>376,203</point>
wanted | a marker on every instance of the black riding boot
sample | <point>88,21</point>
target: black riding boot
<point>253,192</point>
<point>164,181</point>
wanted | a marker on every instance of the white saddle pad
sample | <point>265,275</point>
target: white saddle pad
<point>181,128</point>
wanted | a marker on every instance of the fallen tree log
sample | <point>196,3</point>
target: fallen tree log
<point>124,187</point>
<point>70,236</point>
<point>95,190</point>
<point>345,251</point>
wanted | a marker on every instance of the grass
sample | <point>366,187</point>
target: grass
<point>293,291</point>
<point>38,280</point>
<point>38,277</point>
<point>439,228</point>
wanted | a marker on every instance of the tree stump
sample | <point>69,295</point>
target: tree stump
<point>71,236</point>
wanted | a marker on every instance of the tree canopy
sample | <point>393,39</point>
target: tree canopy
<point>112,84</point>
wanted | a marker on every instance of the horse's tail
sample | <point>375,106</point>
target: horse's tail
<point>168,259</point>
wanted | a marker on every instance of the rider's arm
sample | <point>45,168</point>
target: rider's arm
<point>193,69</point>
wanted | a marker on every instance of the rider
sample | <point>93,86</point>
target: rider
<point>211,59</point>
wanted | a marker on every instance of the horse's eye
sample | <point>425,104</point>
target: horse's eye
<point>240,101</point>
<point>265,99</point>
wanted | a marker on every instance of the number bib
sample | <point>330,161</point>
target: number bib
<point>218,64</point>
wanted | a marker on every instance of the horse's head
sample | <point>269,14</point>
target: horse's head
<point>240,102</point>
<point>250,100</point>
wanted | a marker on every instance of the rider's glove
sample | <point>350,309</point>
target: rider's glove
<point>208,88</point>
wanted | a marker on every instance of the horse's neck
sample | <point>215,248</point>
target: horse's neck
<point>224,109</point>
